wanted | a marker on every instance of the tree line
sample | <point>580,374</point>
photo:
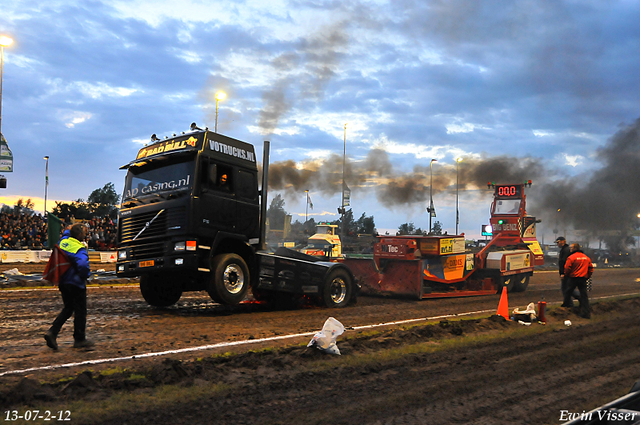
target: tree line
<point>101,203</point>
<point>365,225</point>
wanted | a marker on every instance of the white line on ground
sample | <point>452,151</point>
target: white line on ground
<point>253,341</point>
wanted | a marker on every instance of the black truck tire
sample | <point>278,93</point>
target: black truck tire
<point>160,291</point>
<point>338,289</point>
<point>229,282</point>
<point>521,281</point>
<point>506,281</point>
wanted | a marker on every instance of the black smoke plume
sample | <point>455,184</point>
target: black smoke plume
<point>605,205</point>
<point>392,188</point>
<point>302,74</point>
<point>601,205</point>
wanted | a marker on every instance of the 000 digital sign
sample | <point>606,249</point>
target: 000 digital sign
<point>509,191</point>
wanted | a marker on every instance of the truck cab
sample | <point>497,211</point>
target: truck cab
<point>510,222</point>
<point>192,218</point>
<point>325,242</point>
<point>190,207</point>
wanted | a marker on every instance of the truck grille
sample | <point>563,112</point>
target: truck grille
<point>173,218</point>
<point>150,250</point>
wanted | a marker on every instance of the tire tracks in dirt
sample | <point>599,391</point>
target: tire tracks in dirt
<point>524,377</point>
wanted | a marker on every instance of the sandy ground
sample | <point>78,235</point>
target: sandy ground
<point>527,378</point>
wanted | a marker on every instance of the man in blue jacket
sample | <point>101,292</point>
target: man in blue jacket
<point>73,289</point>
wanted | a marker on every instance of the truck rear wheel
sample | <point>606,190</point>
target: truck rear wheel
<point>338,289</point>
<point>521,281</point>
<point>160,291</point>
<point>230,280</point>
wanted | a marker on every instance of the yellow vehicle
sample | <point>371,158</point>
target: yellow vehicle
<point>325,242</point>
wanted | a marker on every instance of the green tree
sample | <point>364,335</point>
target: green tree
<point>366,225</point>
<point>409,229</point>
<point>300,232</point>
<point>309,227</point>
<point>349,224</point>
<point>76,209</point>
<point>23,207</point>
<point>437,228</point>
<point>103,202</point>
<point>276,213</point>
<point>406,229</point>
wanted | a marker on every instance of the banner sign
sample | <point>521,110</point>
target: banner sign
<point>6,157</point>
<point>346,201</point>
<point>28,256</point>
<point>169,146</point>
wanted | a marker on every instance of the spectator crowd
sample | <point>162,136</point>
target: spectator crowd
<point>22,231</point>
<point>102,234</point>
<point>29,231</point>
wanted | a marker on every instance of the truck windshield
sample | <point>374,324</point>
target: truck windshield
<point>319,245</point>
<point>158,177</point>
<point>507,206</point>
<point>324,230</point>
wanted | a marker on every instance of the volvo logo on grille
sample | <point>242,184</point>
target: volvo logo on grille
<point>148,224</point>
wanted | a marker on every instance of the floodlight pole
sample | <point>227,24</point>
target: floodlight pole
<point>46,183</point>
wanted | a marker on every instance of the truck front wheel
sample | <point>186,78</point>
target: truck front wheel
<point>230,280</point>
<point>338,289</point>
<point>160,291</point>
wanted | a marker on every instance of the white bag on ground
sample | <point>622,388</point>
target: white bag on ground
<point>325,340</point>
<point>529,313</point>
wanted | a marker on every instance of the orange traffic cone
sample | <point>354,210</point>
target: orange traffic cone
<point>503,305</point>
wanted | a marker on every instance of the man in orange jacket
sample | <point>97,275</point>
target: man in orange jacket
<point>578,269</point>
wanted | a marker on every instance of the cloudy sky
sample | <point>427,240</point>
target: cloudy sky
<point>537,90</point>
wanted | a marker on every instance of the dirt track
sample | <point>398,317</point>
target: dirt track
<point>521,378</point>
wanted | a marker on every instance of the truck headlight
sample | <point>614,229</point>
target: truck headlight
<point>182,246</point>
<point>122,254</point>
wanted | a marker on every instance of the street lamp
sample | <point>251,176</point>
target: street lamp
<point>344,156</point>
<point>431,209</point>
<point>4,41</point>
<point>457,197</point>
<point>637,238</point>
<point>306,213</point>
<point>219,96</point>
<point>46,183</point>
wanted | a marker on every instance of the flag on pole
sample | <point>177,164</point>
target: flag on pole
<point>54,228</point>
<point>432,209</point>
<point>309,200</point>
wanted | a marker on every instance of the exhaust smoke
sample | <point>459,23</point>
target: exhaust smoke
<point>603,204</point>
